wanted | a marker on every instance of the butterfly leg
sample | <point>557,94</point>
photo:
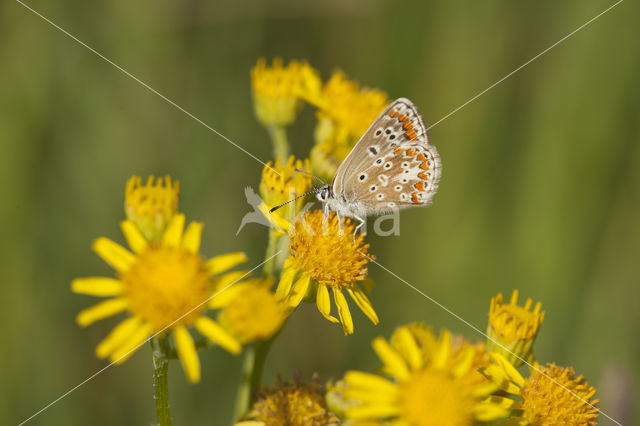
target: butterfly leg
<point>325,213</point>
<point>355,231</point>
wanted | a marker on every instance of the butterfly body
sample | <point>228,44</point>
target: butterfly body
<point>393,166</point>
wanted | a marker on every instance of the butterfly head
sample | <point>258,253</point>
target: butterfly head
<point>323,193</point>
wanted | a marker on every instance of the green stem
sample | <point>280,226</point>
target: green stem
<point>269,267</point>
<point>278,136</point>
<point>160,349</point>
<point>254,358</point>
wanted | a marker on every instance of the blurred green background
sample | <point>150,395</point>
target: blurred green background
<point>540,190</point>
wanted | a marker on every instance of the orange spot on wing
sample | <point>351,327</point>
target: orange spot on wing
<point>398,151</point>
<point>411,152</point>
<point>414,198</point>
<point>424,166</point>
<point>420,186</point>
<point>421,157</point>
<point>423,175</point>
<point>402,117</point>
<point>393,114</point>
<point>412,135</point>
<point>407,125</point>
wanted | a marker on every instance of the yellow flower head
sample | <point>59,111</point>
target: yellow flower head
<point>514,327</point>
<point>250,310</point>
<point>291,404</point>
<point>165,286</point>
<point>345,110</point>
<point>281,183</point>
<point>326,157</point>
<point>319,254</point>
<point>427,384</point>
<point>151,206</point>
<point>551,395</point>
<point>277,90</point>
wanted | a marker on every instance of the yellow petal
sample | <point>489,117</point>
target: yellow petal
<point>343,311</point>
<point>117,336</point>
<point>134,237</point>
<point>101,310</point>
<point>323,301</point>
<point>375,383</point>
<point>223,283</point>
<point>443,350</point>
<point>214,332</point>
<point>364,412</point>
<point>286,280</point>
<point>173,233</point>
<point>509,369</point>
<point>131,344</point>
<point>464,362</point>
<point>187,354</point>
<point>392,360</point>
<point>221,298</point>
<point>280,223</point>
<point>97,286</point>
<point>191,239</point>
<point>298,291</point>
<point>114,254</point>
<point>408,347</point>
<point>496,374</point>
<point>363,303</point>
<point>221,263</point>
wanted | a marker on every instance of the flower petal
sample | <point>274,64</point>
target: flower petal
<point>363,303</point>
<point>509,369</point>
<point>223,283</point>
<point>372,382</point>
<point>365,412</point>
<point>443,350</point>
<point>323,301</point>
<point>282,225</point>
<point>214,332</point>
<point>134,237</point>
<point>464,362</point>
<point>222,297</point>
<point>114,254</point>
<point>173,233</point>
<point>343,311</point>
<point>286,280</point>
<point>97,286</point>
<point>117,336</point>
<point>223,262</point>
<point>101,310</point>
<point>187,353</point>
<point>298,291</point>
<point>407,346</point>
<point>191,238</point>
<point>393,362</point>
<point>131,344</point>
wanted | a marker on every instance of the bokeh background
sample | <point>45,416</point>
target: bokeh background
<point>540,191</point>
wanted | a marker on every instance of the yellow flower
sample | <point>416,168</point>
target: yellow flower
<point>165,286</point>
<point>291,404</point>
<point>151,206</point>
<point>326,157</point>
<point>513,327</point>
<point>429,384</point>
<point>321,259</point>
<point>277,90</point>
<point>281,183</point>
<point>250,310</point>
<point>345,110</point>
<point>551,395</point>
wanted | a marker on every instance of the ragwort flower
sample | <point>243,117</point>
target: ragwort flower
<point>551,395</point>
<point>165,286</point>
<point>281,183</point>
<point>429,383</point>
<point>322,259</point>
<point>151,206</point>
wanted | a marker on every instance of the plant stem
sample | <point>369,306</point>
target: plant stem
<point>160,348</point>
<point>278,136</point>
<point>268,269</point>
<point>254,358</point>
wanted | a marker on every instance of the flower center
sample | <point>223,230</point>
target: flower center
<point>330,258</point>
<point>167,285</point>
<point>544,402</point>
<point>254,313</point>
<point>434,398</point>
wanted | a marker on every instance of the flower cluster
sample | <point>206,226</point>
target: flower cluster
<point>167,290</point>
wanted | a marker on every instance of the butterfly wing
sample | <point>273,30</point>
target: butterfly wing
<point>393,165</point>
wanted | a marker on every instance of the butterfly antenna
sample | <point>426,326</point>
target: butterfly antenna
<point>313,191</point>
<point>312,175</point>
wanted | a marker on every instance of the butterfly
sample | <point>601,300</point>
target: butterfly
<point>392,166</point>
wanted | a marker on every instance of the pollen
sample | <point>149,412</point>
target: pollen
<point>330,258</point>
<point>544,402</point>
<point>164,284</point>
